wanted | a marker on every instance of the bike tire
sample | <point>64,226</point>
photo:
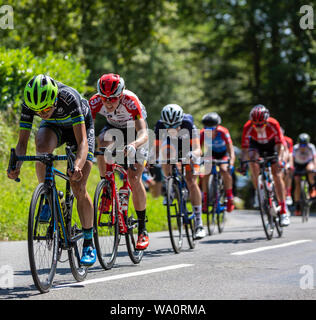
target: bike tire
<point>131,238</point>
<point>174,216</point>
<point>221,216</point>
<point>305,200</point>
<point>267,220</point>
<point>106,232</point>
<point>43,239</point>
<point>211,214</point>
<point>190,232</point>
<point>75,233</point>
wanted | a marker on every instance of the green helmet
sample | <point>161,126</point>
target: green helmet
<point>40,92</point>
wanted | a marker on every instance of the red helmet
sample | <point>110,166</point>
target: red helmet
<point>110,85</point>
<point>259,114</point>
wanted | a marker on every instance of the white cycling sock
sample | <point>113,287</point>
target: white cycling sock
<point>198,215</point>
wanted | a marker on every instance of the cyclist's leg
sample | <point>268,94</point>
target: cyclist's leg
<point>104,140</point>
<point>204,186</point>
<point>311,178</point>
<point>228,185</point>
<point>46,141</point>
<point>253,154</point>
<point>196,201</point>
<point>139,197</point>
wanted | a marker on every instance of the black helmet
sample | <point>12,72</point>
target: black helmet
<point>211,119</point>
<point>304,138</point>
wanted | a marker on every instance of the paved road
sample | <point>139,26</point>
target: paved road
<point>237,264</point>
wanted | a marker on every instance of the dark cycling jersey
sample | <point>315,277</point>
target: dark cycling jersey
<point>71,109</point>
<point>182,141</point>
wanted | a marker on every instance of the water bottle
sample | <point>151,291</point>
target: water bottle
<point>124,196</point>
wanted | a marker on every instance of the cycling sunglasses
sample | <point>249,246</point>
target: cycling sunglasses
<point>210,128</point>
<point>303,145</point>
<point>259,125</point>
<point>110,99</point>
<point>174,126</point>
<point>48,108</point>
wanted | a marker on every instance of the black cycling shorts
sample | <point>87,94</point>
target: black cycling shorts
<point>66,134</point>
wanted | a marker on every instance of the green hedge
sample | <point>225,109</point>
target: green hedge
<point>17,66</point>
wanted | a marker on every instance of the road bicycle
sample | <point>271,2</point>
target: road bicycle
<point>48,237</point>
<point>112,219</point>
<point>216,197</point>
<point>180,219</point>
<point>305,199</point>
<point>268,203</point>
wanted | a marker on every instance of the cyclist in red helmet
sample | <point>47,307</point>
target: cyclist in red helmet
<point>126,118</point>
<point>262,134</point>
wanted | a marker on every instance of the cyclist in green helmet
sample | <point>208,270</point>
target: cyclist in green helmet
<point>66,118</point>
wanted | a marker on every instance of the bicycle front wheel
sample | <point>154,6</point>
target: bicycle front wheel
<point>43,238</point>
<point>305,200</point>
<point>106,235</point>
<point>174,216</point>
<point>222,206</point>
<point>267,220</point>
<point>211,213</point>
<point>75,233</point>
<point>131,238</point>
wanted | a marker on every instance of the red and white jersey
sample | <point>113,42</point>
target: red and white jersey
<point>289,142</point>
<point>272,131</point>
<point>129,109</point>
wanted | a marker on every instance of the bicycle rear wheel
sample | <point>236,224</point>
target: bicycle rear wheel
<point>106,235</point>
<point>210,203</point>
<point>190,229</point>
<point>174,216</point>
<point>75,233</point>
<point>131,238</point>
<point>43,239</point>
<point>267,219</point>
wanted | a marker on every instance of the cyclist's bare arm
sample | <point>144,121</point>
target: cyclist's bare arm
<point>231,152</point>
<point>142,134</point>
<point>281,151</point>
<point>20,150</point>
<point>82,151</point>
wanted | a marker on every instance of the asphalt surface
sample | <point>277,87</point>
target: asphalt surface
<point>235,265</point>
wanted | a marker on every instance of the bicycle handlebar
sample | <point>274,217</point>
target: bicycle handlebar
<point>45,158</point>
<point>106,151</point>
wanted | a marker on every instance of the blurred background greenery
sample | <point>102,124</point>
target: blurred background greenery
<point>205,55</point>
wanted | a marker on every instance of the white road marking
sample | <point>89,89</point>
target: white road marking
<point>121,276</point>
<point>239,253</point>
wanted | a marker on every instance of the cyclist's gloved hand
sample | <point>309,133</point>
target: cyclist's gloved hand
<point>13,174</point>
<point>130,151</point>
<point>243,168</point>
<point>281,164</point>
<point>192,156</point>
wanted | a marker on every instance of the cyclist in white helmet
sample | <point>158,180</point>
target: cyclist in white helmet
<point>172,120</point>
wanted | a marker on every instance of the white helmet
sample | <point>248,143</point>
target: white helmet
<point>172,114</point>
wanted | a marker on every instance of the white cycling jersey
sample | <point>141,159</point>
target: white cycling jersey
<point>303,155</point>
<point>129,109</point>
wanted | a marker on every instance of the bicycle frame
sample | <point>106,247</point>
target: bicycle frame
<point>179,178</point>
<point>50,183</point>
<point>110,177</point>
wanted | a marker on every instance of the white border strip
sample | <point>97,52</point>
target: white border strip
<point>239,253</point>
<point>121,276</point>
